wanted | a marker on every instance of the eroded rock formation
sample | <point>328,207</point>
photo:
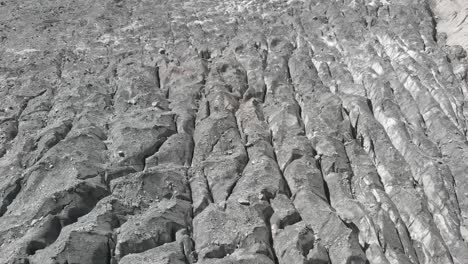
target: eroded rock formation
<point>301,131</point>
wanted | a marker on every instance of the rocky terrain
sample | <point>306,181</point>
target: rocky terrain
<point>229,131</point>
<point>452,19</point>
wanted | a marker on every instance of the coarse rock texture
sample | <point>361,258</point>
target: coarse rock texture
<point>229,131</point>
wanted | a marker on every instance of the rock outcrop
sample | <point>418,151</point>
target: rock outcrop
<point>299,131</point>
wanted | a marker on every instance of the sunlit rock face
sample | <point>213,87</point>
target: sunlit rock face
<point>452,18</point>
<point>276,132</point>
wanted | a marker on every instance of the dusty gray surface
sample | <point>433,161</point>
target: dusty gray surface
<point>315,131</point>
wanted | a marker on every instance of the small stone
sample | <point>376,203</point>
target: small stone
<point>261,196</point>
<point>243,201</point>
<point>222,204</point>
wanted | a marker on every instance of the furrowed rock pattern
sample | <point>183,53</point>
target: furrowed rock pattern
<point>256,131</point>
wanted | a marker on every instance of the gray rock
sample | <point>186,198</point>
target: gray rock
<point>218,233</point>
<point>233,132</point>
<point>170,253</point>
<point>156,226</point>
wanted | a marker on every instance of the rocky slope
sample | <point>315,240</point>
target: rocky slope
<point>228,131</point>
<point>452,19</point>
